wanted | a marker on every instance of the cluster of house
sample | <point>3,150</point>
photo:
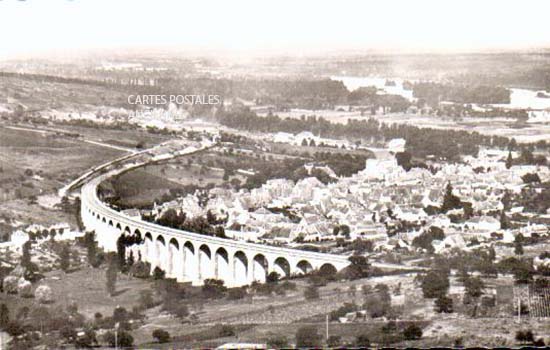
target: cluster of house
<point>170,118</point>
<point>159,118</point>
<point>307,138</point>
<point>370,203</point>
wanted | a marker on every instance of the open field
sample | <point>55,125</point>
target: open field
<point>59,95</point>
<point>56,159</point>
<point>34,165</point>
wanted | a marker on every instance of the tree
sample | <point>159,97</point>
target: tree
<point>4,316</point>
<point>379,303</point>
<point>518,248</point>
<point>509,160</point>
<point>506,200</point>
<point>525,336</point>
<point>504,225</point>
<point>450,201</point>
<point>161,335</point>
<point>91,249</point>
<point>404,160</point>
<point>531,178</point>
<point>412,332</point>
<point>308,337</point>
<point>435,283</point>
<point>474,287</point>
<point>444,304</point>
<point>359,267</point>
<point>123,338</point>
<point>65,258</point>
<point>121,251</point>
<point>111,276</point>
<point>527,156</point>
<point>26,255</point>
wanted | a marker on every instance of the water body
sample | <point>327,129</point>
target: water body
<point>519,98</point>
<point>526,99</point>
<point>353,83</point>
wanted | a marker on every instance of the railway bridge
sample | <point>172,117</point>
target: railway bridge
<point>192,257</point>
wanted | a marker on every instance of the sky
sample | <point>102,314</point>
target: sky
<point>282,26</point>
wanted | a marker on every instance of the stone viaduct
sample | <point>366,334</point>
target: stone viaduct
<point>192,257</point>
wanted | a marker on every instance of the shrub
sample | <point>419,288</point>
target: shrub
<point>213,288</point>
<point>311,292</point>
<point>334,341</point>
<point>227,330</point>
<point>43,294</point>
<point>278,342</point>
<point>125,339</point>
<point>68,333</point>
<point>525,336</point>
<point>444,304</point>
<point>236,293</point>
<point>288,285</point>
<point>273,277</point>
<point>10,284</point>
<point>435,284</point>
<point>4,316</point>
<point>14,329</point>
<point>412,332</point>
<point>362,341</point>
<point>307,337</point>
<point>161,335</point>
<point>158,273</point>
<point>87,340</point>
<point>179,310</point>
<point>24,288</point>
<point>342,311</point>
<point>146,299</point>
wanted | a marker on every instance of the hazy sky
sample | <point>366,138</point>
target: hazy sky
<point>284,26</point>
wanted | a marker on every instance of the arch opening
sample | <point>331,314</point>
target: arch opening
<point>240,268</point>
<point>303,267</point>
<point>259,268</point>
<point>221,263</point>
<point>282,267</point>
<point>206,268</point>
<point>173,266</point>
<point>190,265</point>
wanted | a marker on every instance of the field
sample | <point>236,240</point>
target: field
<point>489,126</point>
<point>55,159</point>
<point>34,165</point>
<point>56,95</point>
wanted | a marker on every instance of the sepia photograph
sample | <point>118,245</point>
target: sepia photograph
<point>254,175</point>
